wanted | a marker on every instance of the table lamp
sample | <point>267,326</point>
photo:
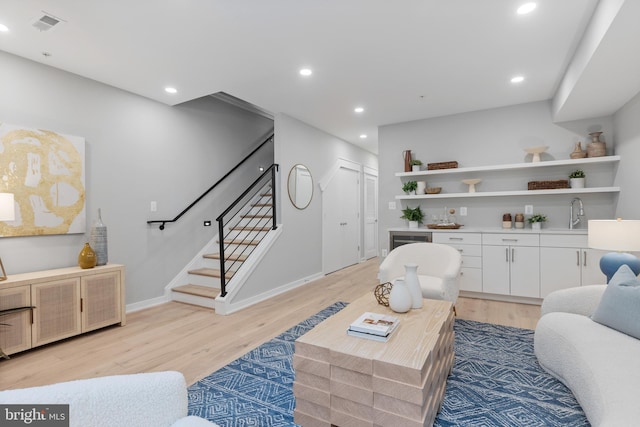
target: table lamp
<point>7,213</point>
<point>617,235</point>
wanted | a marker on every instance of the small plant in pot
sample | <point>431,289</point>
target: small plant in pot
<point>410,187</point>
<point>536,221</point>
<point>415,165</point>
<point>414,216</point>
<point>576,179</point>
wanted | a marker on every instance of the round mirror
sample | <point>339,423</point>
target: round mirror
<point>300,186</point>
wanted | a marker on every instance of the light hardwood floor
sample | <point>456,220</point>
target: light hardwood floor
<point>196,341</point>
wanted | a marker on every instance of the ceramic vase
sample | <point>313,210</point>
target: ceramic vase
<point>536,225</point>
<point>87,257</point>
<point>98,240</point>
<point>400,299</point>
<point>406,154</point>
<point>422,186</point>
<point>413,224</point>
<point>413,284</point>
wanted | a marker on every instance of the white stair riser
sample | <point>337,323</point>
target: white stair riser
<point>193,299</point>
<point>197,279</point>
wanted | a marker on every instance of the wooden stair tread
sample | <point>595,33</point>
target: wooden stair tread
<point>241,242</point>
<point>262,205</point>
<point>231,257</point>
<point>211,272</point>
<point>240,228</point>
<point>198,290</point>
<point>257,216</point>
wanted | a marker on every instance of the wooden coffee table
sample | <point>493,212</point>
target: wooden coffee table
<point>348,381</point>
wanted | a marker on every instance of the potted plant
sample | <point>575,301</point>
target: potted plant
<point>415,165</point>
<point>536,221</point>
<point>410,186</point>
<point>576,179</point>
<point>414,216</point>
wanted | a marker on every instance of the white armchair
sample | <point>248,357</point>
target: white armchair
<point>157,399</point>
<point>438,268</point>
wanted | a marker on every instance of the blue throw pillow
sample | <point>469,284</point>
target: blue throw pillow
<point>619,307</point>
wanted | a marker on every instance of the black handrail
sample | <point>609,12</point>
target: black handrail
<point>164,221</point>
<point>271,170</point>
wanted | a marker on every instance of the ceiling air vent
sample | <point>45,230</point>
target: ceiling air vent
<point>46,22</point>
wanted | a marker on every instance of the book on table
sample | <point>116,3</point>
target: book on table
<point>381,338</point>
<point>381,325</point>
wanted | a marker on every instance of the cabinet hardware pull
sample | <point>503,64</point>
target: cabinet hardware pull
<point>513,255</point>
<point>509,240</point>
<point>578,258</point>
<point>456,238</point>
<point>506,254</point>
<point>585,259</point>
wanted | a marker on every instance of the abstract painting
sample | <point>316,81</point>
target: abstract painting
<point>45,171</point>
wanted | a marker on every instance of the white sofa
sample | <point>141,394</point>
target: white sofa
<point>600,365</point>
<point>157,399</point>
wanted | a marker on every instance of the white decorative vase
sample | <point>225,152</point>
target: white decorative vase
<point>415,168</point>
<point>576,182</point>
<point>413,224</point>
<point>413,284</point>
<point>422,186</point>
<point>536,225</point>
<point>400,299</point>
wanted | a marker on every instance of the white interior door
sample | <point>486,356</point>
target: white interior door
<point>370,215</point>
<point>341,222</point>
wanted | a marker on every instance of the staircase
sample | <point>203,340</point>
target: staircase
<point>250,225</point>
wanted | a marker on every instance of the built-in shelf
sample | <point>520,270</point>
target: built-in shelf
<point>568,162</point>
<point>512,193</point>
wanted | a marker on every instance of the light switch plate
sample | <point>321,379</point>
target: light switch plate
<point>392,206</point>
<point>463,211</point>
<point>154,206</point>
<point>528,209</point>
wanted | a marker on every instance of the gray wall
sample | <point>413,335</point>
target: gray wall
<point>137,150</point>
<point>627,125</point>
<point>297,255</point>
<point>490,137</point>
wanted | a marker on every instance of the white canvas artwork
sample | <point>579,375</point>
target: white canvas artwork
<point>45,171</point>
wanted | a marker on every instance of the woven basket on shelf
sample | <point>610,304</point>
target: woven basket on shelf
<point>548,185</point>
<point>442,165</point>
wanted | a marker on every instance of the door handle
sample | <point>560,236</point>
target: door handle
<point>578,258</point>
<point>506,254</point>
<point>513,255</point>
<point>585,259</point>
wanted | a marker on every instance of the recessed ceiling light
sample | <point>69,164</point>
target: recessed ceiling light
<point>358,109</point>
<point>3,28</point>
<point>517,79</point>
<point>363,136</point>
<point>306,72</point>
<point>526,8</point>
<point>170,89</point>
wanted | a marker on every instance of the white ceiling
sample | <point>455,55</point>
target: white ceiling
<point>401,60</point>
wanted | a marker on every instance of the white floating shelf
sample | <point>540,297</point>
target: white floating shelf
<point>512,193</point>
<point>568,162</point>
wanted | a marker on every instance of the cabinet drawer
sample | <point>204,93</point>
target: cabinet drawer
<point>511,239</point>
<point>449,237</point>
<point>470,250</point>
<point>471,279</point>
<point>472,261</point>
<point>563,241</point>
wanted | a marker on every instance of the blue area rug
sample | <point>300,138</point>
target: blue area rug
<point>495,381</point>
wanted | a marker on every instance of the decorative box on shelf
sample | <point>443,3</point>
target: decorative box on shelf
<point>548,185</point>
<point>442,165</point>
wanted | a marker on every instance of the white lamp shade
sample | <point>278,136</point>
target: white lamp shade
<point>614,235</point>
<point>7,208</point>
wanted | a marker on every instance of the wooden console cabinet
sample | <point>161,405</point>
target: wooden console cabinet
<point>66,301</point>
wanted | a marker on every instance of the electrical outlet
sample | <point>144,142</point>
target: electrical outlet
<point>528,209</point>
<point>463,211</point>
<point>392,206</point>
<point>384,252</point>
<point>154,206</point>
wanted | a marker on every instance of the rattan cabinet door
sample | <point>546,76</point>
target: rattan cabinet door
<point>101,300</point>
<point>15,334</point>
<point>57,312</point>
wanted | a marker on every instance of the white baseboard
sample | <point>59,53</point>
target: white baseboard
<point>141,305</point>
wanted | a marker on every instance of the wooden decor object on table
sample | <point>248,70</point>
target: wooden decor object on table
<point>548,185</point>
<point>348,381</point>
<point>442,165</point>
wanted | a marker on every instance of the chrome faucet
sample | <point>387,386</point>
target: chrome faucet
<point>573,222</point>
